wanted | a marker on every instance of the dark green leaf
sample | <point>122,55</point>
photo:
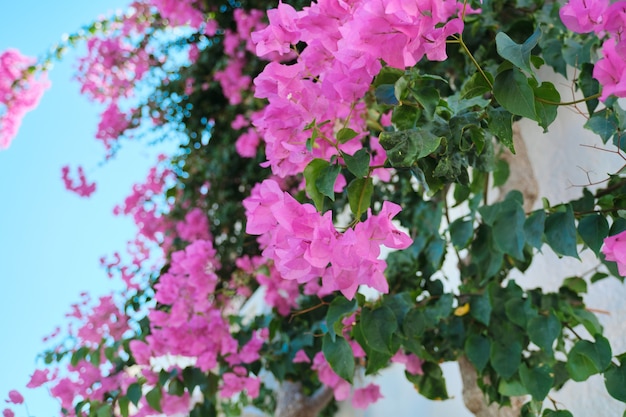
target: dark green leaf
<point>134,393</point>
<point>588,358</point>
<point>519,311</point>
<point>534,228</point>
<point>480,308</point>
<point>518,55</point>
<point>537,380</point>
<point>405,117</point>
<point>312,172</point>
<point>561,232</point>
<point>104,411</point>
<point>359,163</point>
<point>589,86</point>
<point>543,331</point>
<point>360,195</point>
<point>325,183</point>
<point>588,320</point>
<point>505,357</point>
<point>339,355</point>
<point>615,381</point>
<point>508,230</point>
<point>476,85</point>
<point>513,92</point>
<point>603,123</point>
<point>431,384</point>
<point>153,397</point>
<point>501,125</point>
<point>546,112</point>
<point>194,377</point>
<point>339,308</point>
<point>461,231</point>
<point>345,134</point>
<point>385,94</point>
<point>593,229</point>
<point>378,327</point>
<point>477,349</point>
<point>557,413</point>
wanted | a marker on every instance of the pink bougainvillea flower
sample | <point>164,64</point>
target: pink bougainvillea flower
<point>610,71</point>
<point>584,16</point>
<point>15,397</point>
<point>19,93</point>
<point>83,188</point>
<point>7,412</point>
<point>364,397</point>
<point>615,250</point>
<point>39,378</point>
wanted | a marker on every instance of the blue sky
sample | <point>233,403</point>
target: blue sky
<point>50,239</point>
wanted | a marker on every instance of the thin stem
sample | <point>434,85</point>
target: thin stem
<point>471,57</point>
<point>568,103</point>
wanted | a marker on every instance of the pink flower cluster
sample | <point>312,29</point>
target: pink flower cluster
<point>181,13</point>
<point>614,250</point>
<point>605,19</point>
<point>305,245</point>
<point>345,42</point>
<point>19,93</point>
<point>82,188</point>
<point>112,125</point>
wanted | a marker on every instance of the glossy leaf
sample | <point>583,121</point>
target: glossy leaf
<point>588,358</point>
<point>534,227</point>
<point>134,393</point>
<point>513,92</point>
<point>593,229</point>
<point>431,384</point>
<point>339,355</point>
<point>339,308</point>
<point>505,357</point>
<point>518,55</point>
<point>477,349</point>
<point>360,195</point>
<point>615,382</point>
<point>346,134</point>
<point>561,232</point>
<point>543,331</point>
<point>313,171</point>
<point>153,397</point>
<point>537,380</point>
<point>359,163</point>
<point>378,327</point>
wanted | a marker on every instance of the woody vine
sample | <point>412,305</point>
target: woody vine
<point>314,135</point>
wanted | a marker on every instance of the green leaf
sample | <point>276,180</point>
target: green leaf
<point>388,75</point>
<point>518,55</point>
<point>588,320</point>
<point>512,388</point>
<point>360,192</point>
<point>543,331</point>
<point>603,123</point>
<point>359,163</point>
<point>123,403</point>
<point>501,173</point>
<point>476,85</point>
<point>513,92</point>
<point>176,387</point>
<point>477,349</point>
<point>546,113</point>
<point>325,183</point>
<point>339,355</point>
<point>405,117</point>
<point>593,229</point>
<point>378,327</point>
<point>431,384</point>
<point>345,134</point>
<point>339,308</point>
<point>508,230</point>
<point>480,308</point>
<point>557,413</point>
<point>153,397</point>
<point>501,125</point>
<point>134,393</point>
<point>461,231</point>
<point>385,94</point>
<point>615,382</point>
<point>588,358</point>
<point>519,311</point>
<point>589,86</point>
<point>537,380</point>
<point>534,227</point>
<point>561,232</point>
<point>312,172</point>
<point>104,411</point>
<point>194,377</point>
<point>505,357</point>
